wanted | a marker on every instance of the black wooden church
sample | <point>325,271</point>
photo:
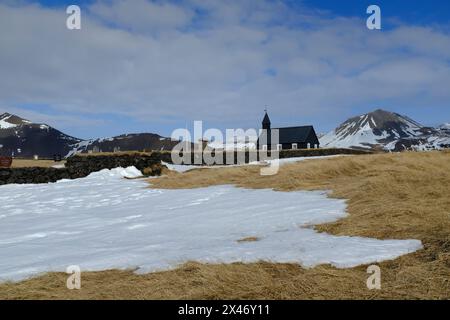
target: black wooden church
<point>302,137</point>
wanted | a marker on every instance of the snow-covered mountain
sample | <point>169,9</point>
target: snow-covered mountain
<point>21,137</point>
<point>125,142</point>
<point>375,130</point>
<point>382,129</point>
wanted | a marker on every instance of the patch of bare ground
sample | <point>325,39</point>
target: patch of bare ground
<point>248,239</point>
<point>390,196</point>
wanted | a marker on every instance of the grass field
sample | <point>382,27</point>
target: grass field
<point>23,163</point>
<point>395,196</point>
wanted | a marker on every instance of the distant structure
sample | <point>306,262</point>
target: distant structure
<point>290,138</point>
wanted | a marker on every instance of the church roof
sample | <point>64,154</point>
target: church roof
<point>266,119</point>
<point>294,134</point>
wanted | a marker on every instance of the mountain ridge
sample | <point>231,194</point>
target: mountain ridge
<point>23,138</point>
<point>381,129</point>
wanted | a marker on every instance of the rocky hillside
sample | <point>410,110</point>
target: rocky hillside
<point>22,138</point>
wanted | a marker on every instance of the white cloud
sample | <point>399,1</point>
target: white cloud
<point>67,121</point>
<point>219,61</point>
<point>142,15</point>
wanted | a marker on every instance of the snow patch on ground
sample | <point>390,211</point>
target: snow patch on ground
<point>130,172</point>
<point>183,168</point>
<point>233,146</point>
<point>104,221</point>
<point>59,166</point>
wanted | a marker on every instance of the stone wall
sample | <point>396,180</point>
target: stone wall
<point>81,166</point>
<point>32,175</point>
<point>319,152</point>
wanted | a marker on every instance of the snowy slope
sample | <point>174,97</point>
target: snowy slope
<point>8,121</point>
<point>4,123</point>
<point>384,130</point>
<point>104,221</point>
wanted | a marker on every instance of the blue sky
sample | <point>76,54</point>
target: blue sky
<point>345,7</point>
<point>408,11</point>
<point>146,66</point>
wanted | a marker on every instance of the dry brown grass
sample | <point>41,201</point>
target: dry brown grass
<point>397,196</point>
<point>118,153</point>
<point>248,239</point>
<point>23,163</point>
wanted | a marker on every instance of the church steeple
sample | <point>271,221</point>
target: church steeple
<point>266,121</point>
